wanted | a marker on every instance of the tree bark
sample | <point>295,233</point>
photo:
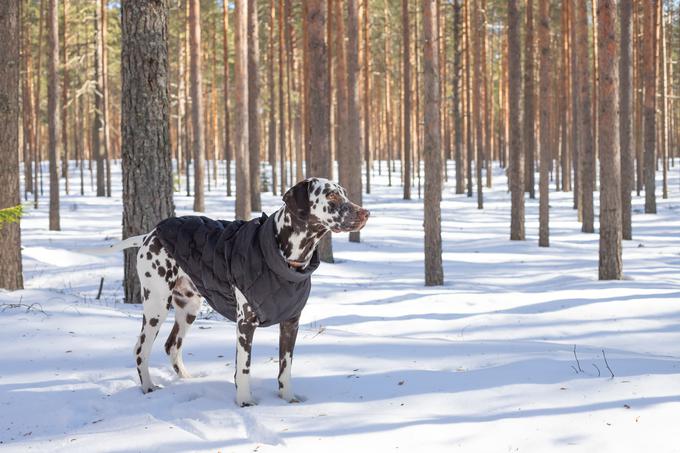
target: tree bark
<point>649,107</point>
<point>53,116</point>
<point>227,95</point>
<point>586,146</point>
<point>64,101</point>
<point>318,93</point>
<point>241,128</point>
<point>546,103</point>
<point>197,122</point>
<point>610,263</point>
<point>271,144</point>
<point>434,273</point>
<point>98,123</point>
<point>354,237</point>
<point>28,119</point>
<point>625,118</point>
<point>254,107</point>
<point>516,151</point>
<point>457,119</point>
<point>529,137</point>
<point>353,148</point>
<point>146,153</point>
<point>10,232</point>
<point>406,99</point>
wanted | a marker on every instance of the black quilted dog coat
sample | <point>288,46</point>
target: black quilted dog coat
<point>218,255</point>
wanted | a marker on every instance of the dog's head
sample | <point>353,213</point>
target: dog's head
<point>323,205</point>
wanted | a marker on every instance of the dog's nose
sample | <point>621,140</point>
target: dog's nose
<point>364,213</point>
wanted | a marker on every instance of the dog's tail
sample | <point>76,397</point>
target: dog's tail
<point>133,241</point>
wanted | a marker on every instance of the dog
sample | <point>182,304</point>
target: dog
<point>232,266</point>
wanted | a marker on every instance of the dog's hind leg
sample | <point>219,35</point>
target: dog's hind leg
<point>156,285</point>
<point>155,312</point>
<point>187,303</point>
<point>287,336</point>
<point>246,322</point>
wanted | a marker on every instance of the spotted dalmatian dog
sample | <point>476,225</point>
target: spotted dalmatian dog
<point>312,208</point>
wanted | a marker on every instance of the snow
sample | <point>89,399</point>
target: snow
<point>487,362</point>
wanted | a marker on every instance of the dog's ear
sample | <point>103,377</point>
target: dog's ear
<point>297,199</point>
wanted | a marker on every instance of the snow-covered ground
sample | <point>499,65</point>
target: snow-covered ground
<point>509,355</point>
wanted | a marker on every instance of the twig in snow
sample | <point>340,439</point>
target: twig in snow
<point>28,307</point>
<point>607,363</point>
<point>598,370</point>
<point>577,362</point>
<point>101,285</point>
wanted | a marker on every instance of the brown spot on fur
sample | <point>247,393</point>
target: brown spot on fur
<point>147,274</point>
<point>176,369</point>
<point>155,246</point>
<point>172,338</point>
<point>191,319</point>
<point>146,293</point>
<point>153,322</point>
<point>142,338</point>
<point>179,342</point>
<point>139,350</point>
<point>148,256</point>
<point>139,360</point>
<point>161,271</point>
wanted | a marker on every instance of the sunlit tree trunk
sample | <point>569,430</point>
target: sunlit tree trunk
<point>625,118</point>
<point>53,111</point>
<point>516,151</point>
<point>241,129</point>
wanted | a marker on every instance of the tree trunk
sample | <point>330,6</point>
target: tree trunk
<point>106,117</point>
<point>610,265</point>
<point>586,147</point>
<point>625,118</point>
<point>37,160</point>
<point>97,123</point>
<point>28,119</point>
<point>271,144</point>
<point>146,153</point>
<point>198,142</point>
<point>342,134</point>
<point>53,120</point>
<point>227,95</point>
<point>10,232</point>
<point>354,237</point>
<point>64,101</point>
<point>319,102</point>
<point>241,128</point>
<point>649,107</point>
<point>457,119</point>
<point>254,107</point>
<point>434,273</point>
<point>353,148</point>
<point>406,102</point>
<point>529,137</point>
<point>545,96</point>
<point>516,151</point>
<point>282,103</point>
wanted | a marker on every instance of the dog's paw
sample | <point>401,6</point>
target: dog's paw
<point>289,397</point>
<point>247,402</point>
<point>151,388</point>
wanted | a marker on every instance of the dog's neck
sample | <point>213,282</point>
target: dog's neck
<point>297,238</point>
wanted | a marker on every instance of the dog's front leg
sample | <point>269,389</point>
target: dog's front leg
<point>246,323</point>
<point>287,337</point>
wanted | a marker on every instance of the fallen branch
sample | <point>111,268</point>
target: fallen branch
<point>101,285</point>
<point>28,307</point>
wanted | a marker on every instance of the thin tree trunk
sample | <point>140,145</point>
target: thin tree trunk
<point>198,143</point>
<point>353,148</point>
<point>64,100</point>
<point>282,110</point>
<point>516,152</point>
<point>253,106</point>
<point>106,117</point>
<point>227,95</point>
<point>529,137</point>
<point>434,273</point>
<point>271,151</point>
<point>545,95</point>
<point>406,99</point>
<point>28,119</point>
<point>586,154</point>
<point>610,263</point>
<point>10,233</point>
<point>625,118</point>
<point>37,160</point>
<point>243,199</point>
<point>367,96</point>
<point>146,153</point>
<point>53,117</point>
<point>649,107</point>
<point>457,119</point>
<point>97,123</point>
